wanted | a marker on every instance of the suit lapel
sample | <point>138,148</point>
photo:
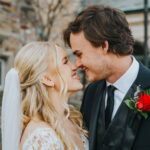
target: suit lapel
<point>123,130</point>
<point>124,127</point>
<point>98,98</point>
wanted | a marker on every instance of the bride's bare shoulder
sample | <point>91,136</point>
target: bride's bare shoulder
<point>30,128</point>
<point>34,124</point>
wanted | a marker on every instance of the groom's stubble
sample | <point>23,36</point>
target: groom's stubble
<point>94,61</point>
<point>97,36</point>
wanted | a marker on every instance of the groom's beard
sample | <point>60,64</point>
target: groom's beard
<point>91,77</point>
<point>103,73</point>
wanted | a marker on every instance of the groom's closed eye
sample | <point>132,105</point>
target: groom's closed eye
<point>77,53</point>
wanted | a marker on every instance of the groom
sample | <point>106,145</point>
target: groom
<point>102,42</point>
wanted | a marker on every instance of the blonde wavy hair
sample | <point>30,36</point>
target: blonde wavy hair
<point>31,62</point>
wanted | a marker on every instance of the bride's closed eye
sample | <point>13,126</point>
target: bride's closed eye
<point>66,61</point>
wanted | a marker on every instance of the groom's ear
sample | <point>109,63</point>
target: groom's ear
<point>105,47</point>
<point>45,79</point>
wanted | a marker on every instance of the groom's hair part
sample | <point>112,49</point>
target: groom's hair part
<point>102,23</point>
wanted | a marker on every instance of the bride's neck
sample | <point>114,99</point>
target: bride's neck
<point>58,101</point>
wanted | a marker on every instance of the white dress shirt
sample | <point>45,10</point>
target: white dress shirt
<point>123,84</point>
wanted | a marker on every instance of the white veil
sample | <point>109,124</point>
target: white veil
<point>11,112</point>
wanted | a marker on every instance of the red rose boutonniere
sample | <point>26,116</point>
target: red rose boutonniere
<point>140,103</point>
<point>144,102</point>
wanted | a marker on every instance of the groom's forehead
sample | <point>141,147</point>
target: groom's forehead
<point>77,38</point>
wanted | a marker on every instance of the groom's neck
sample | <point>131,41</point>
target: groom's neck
<point>119,65</point>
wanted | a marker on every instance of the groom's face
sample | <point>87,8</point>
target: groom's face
<point>93,60</point>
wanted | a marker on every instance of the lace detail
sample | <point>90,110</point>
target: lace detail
<point>43,139</point>
<point>85,142</point>
<point>46,139</point>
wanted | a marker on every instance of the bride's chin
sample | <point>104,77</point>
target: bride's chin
<point>75,89</point>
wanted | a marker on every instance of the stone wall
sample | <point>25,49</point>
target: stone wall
<point>20,23</point>
<point>18,19</point>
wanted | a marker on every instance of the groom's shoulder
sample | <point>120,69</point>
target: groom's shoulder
<point>96,83</point>
<point>144,72</point>
<point>143,77</point>
<point>93,86</point>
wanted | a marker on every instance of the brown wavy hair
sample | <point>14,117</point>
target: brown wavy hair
<point>100,23</point>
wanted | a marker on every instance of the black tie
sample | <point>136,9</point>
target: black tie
<point>110,105</point>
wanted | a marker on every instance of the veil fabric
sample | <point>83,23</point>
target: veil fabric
<point>11,112</point>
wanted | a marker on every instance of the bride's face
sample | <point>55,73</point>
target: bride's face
<point>67,72</point>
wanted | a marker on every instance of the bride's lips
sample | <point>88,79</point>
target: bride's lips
<point>74,75</point>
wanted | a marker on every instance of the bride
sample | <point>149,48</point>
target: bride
<point>35,110</point>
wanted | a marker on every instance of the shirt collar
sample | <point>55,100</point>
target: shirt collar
<point>126,80</point>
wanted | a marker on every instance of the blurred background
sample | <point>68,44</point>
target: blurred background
<point>22,21</point>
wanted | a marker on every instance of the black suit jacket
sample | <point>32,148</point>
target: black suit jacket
<point>128,130</point>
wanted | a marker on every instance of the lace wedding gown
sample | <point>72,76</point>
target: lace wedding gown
<point>45,138</point>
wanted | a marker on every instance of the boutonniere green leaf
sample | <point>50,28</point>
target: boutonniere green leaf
<point>140,103</point>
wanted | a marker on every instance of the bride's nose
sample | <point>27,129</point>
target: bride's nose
<point>73,67</point>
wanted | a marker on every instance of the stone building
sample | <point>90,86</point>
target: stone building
<point>134,10</point>
<point>22,21</point>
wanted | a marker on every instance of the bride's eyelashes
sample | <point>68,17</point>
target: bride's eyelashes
<point>66,61</point>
